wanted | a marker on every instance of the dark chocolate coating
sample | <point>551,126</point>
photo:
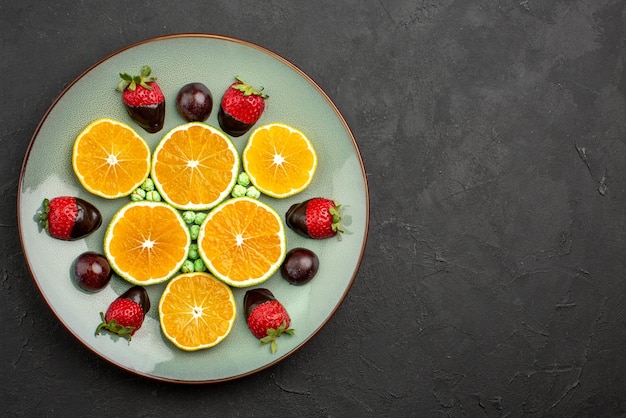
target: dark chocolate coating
<point>194,102</point>
<point>295,218</point>
<point>256,297</point>
<point>88,219</point>
<point>300,266</point>
<point>92,271</point>
<point>138,295</point>
<point>230,125</point>
<point>150,118</point>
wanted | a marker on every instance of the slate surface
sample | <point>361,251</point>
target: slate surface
<point>493,134</point>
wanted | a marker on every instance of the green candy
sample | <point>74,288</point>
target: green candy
<point>153,196</point>
<point>253,192</point>
<point>199,218</point>
<point>187,267</point>
<point>189,217</point>
<point>138,195</point>
<point>193,252</point>
<point>199,265</point>
<point>147,185</point>
<point>194,230</point>
<point>243,179</point>
<point>238,191</point>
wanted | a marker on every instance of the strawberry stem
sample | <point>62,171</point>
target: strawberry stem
<point>113,327</point>
<point>335,211</point>
<point>131,82</point>
<point>272,334</point>
<point>248,90</point>
<point>42,218</point>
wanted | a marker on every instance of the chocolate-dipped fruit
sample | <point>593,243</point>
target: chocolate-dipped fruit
<point>240,108</point>
<point>92,271</point>
<point>69,218</point>
<point>138,295</point>
<point>316,218</point>
<point>255,297</point>
<point>194,102</point>
<point>143,99</point>
<point>300,266</point>
<point>125,314</point>
<point>266,317</point>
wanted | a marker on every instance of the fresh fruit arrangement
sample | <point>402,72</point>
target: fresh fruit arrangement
<point>193,220</point>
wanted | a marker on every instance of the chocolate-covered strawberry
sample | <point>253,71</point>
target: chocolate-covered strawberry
<point>69,218</point>
<point>143,99</point>
<point>316,218</point>
<point>125,314</point>
<point>266,317</point>
<point>240,108</point>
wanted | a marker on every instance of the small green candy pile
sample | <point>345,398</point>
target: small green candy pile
<point>244,188</point>
<point>146,191</point>
<point>193,262</point>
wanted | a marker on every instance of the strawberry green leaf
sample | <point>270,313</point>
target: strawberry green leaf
<point>114,328</point>
<point>274,333</point>
<point>130,82</point>
<point>248,90</point>
<point>126,80</point>
<point>145,71</point>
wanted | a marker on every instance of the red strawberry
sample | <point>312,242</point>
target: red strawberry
<point>267,318</point>
<point>69,218</point>
<point>126,313</point>
<point>316,218</point>
<point>144,100</point>
<point>240,108</point>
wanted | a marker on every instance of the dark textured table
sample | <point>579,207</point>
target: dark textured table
<point>494,138</point>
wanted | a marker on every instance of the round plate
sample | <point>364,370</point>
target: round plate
<point>295,99</point>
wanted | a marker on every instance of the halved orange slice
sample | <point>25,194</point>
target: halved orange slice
<point>146,242</point>
<point>196,311</point>
<point>242,241</point>
<point>279,160</point>
<point>110,159</point>
<point>195,166</point>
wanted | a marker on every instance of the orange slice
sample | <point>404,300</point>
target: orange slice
<point>196,311</point>
<point>146,242</point>
<point>242,242</point>
<point>195,166</point>
<point>110,159</point>
<point>279,160</point>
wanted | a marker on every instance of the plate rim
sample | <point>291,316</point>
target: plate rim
<point>225,38</point>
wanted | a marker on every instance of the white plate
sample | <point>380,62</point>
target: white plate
<point>295,99</point>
